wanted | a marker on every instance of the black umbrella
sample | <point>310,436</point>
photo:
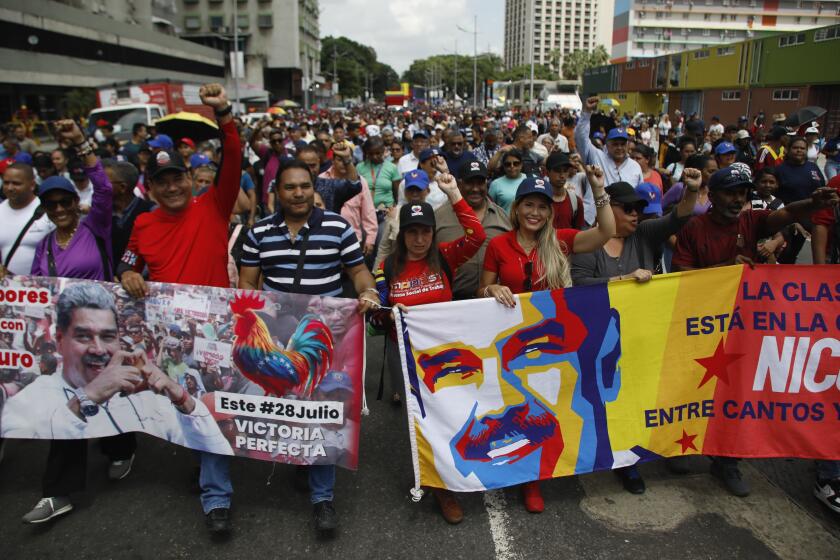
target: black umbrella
<point>805,115</point>
<point>187,125</point>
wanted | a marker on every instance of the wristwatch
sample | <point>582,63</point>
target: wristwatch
<point>87,407</point>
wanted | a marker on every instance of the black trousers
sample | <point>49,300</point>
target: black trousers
<point>66,470</point>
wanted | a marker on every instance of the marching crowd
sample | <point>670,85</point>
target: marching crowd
<point>397,208</point>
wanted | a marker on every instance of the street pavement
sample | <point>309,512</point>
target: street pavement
<point>155,512</point>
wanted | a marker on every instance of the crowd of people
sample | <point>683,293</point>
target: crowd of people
<point>400,208</point>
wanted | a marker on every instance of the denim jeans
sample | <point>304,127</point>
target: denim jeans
<point>828,470</point>
<point>216,487</point>
<point>321,483</point>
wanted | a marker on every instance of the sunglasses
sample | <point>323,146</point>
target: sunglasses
<point>65,202</point>
<point>629,208</point>
<point>513,163</point>
<point>529,270</point>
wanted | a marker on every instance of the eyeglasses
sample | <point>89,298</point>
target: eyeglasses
<point>65,202</point>
<point>629,208</point>
<point>513,163</point>
<point>529,270</point>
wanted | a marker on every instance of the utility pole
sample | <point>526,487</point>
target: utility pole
<point>475,61</point>
<point>531,21</point>
<point>235,64</point>
<point>455,93</point>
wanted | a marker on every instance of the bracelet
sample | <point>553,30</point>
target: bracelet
<point>182,399</point>
<point>602,200</point>
<point>224,112</point>
<point>693,190</point>
<point>83,149</point>
<point>485,292</point>
<point>372,290</point>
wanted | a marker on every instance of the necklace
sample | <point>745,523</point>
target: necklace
<point>527,247</point>
<point>66,242</point>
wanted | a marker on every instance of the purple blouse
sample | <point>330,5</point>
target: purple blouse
<point>675,195</point>
<point>82,258</point>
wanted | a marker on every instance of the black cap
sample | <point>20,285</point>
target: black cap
<point>624,193</point>
<point>557,160</point>
<point>421,213</point>
<point>472,169</point>
<point>730,178</point>
<point>776,133</point>
<point>165,160</point>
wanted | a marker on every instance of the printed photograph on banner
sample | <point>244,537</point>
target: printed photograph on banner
<point>275,377</point>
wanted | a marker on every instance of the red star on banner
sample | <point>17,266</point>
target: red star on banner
<point>716,364</point>
<point>687,442</point>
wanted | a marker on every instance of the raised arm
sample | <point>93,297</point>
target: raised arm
<point>801,210</point>
<point>461,250</point>
<point>584,145</point>
<point>230,168</point>
<point>594,238</point>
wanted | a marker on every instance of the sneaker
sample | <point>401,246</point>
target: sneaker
<point>828,492</point>
<point>532,497</point>
<point>450,508</point>
<point>326,519</point>
<point>47,508</point>
<point>731,477</point>
<point>218,521</point>
<point>631,479</point>
<point>678,464</point>
<point>118,470</point>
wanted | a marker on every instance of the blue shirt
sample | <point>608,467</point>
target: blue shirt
<point>246,183</point>
<point>797,182</point>
<point>331,245</point>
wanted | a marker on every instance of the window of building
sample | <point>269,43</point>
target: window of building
<point>791,40</point>
<point>265,21</point>
<point>644,63</point>
<point>190,1</point>
<point>785,95</point>
<point>725,51</point>
<point>243,21</point>
<point>701,54</point>
<point>216,22</point>
<point>192,23</point>
<point>215,1</point>
<point>730,95</point>
<point>630,65</point>
<point>827,34</point>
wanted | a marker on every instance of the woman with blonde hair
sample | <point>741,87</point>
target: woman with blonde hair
<point>534,255</point>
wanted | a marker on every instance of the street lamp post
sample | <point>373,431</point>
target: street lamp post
<point>531,21</point>
<point>236,55</point>
<point>475,58</point>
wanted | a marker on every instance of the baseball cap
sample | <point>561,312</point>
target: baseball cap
<point>417,214</point>
<point>336,381</point>
<point>624,193</point>
<point>598,134</point>
<point>743,135</point>
<point>161,142</point>
<point>652,195</point>
<point>557,160</point>
<point>533,185</point>
<point>812,130</point>
<point>473,169</point>
<point>23,157</point>
<point>187,141</point>
<point>776,133</point>
<point>420,134</point>
<point>199,160</point>
<point>56,183</point>
<point>372,130</point>
<point>164,161</point>
<point>417,178</point>
<point>618,134</point>
<point>729,178</point>
<point>725,148</point>
<point>428,153</point>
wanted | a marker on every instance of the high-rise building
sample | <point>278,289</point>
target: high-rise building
<point>548,25</point>
<point>279,39</point>
<point>645,28</point>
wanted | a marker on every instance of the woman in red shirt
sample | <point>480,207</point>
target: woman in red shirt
<point>533,256</point>
<point>419,271</point>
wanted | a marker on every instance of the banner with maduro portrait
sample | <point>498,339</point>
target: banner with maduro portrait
<point>276,377</point>
<point>730,361</point>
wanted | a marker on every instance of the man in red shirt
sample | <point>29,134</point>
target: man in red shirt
<point>185,241</point>
<point>772,153</point>
<point>726,235</point>
<point>568,207</point>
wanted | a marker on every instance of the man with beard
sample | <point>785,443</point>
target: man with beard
<point>455,152</point>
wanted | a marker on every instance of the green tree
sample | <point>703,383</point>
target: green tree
<point>78,102</point>
<point>578,61</point>
<point>357,67</point>
<point>440,71</point>
<point>523,72</point>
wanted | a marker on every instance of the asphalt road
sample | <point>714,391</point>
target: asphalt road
<point>155,512</point>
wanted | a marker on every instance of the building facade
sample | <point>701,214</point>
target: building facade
<point>48,48</point>
<point>279,39</point>
<point>775,74</point>
<point>647,28</point>
<point>548,25</point>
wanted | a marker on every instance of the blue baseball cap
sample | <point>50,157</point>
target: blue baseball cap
<point>56,183</point>
<point>336,381</point>
<point>618,134</point>
<point>650,193</point>
<point>161,142</point>
<point>417,178</point>
<point>199,160</point>
<point>725,148</point>
<point>599,135</point>
<point>533,185</point>
<point>23,157</point>
<point>428,153</point>
<point>420,134</point>
<point>730,178</point>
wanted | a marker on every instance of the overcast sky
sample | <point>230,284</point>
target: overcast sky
<point>404,30</point>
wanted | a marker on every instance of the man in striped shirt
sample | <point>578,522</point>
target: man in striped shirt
<point>302,249</point>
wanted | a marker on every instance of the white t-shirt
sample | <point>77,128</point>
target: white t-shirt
<point>85,196</point>
<point>408,162</point>
<point>13,222</point>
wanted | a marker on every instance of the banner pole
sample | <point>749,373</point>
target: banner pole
<point>416,492</point>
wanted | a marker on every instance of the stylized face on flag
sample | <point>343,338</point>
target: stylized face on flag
<point>524,371</point>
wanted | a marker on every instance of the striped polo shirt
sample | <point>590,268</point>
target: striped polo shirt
<point>331,244</point>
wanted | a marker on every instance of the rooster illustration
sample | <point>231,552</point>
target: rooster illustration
<point>298,369</point>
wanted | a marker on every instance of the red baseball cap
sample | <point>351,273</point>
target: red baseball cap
<point>187,141</point>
